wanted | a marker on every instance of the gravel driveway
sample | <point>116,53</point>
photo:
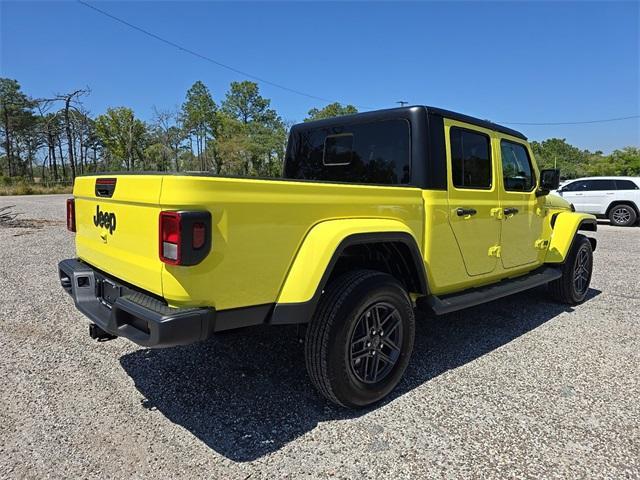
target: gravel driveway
<point>520,387</point>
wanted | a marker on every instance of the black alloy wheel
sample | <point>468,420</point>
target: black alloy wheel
<point>375,343</point>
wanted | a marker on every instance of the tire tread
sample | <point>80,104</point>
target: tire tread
<point>633,215</point>
<point>562,288</point>
<point>317,339</point>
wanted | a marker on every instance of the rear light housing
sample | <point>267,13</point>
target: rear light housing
<point>71,214</point>
<point>105,187</point>
<point>184,237</point>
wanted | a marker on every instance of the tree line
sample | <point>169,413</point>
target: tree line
<point>55,139</point>
<point>574,162</point>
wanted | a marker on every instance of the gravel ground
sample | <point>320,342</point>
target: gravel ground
<point>520,387</point>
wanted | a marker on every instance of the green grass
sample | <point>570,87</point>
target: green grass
<point>33,189</point>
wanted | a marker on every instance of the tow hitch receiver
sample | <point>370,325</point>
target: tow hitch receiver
<point>97,333</point>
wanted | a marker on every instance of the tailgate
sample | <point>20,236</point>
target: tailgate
<point>118,233</point>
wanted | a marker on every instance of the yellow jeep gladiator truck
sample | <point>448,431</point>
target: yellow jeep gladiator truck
<point>377,214</point>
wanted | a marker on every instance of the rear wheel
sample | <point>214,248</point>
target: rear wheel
<point>622,215</point>
<point>571,288</point>
<point>360,338</point>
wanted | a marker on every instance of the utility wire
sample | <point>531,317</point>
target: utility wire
<point>293,90</point>
<point>206,58</point>
<point>573,123</point>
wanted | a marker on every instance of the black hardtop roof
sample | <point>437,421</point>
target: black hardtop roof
<point>407,111</point>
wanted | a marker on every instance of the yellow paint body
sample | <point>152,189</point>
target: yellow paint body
<point>317,249</point>
<point>258,228</point>
<point>566,226</point>
<point>273,239</point>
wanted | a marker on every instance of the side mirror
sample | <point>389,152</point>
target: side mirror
<point>549,180</point>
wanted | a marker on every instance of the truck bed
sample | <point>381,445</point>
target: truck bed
<point>257,227</point>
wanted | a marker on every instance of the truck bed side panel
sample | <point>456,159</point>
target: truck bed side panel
<point>258,226</point>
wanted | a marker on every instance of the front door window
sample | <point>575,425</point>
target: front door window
<point>521,209</point>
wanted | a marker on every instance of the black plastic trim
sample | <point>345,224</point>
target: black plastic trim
<point>293,313</point>
<point>144,318</point>
<point>189,255</point>
<point>477,296</point>
<point>589,224</point>
<point>243,317</point>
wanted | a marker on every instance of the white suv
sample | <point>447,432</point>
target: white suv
<point>617,198</point>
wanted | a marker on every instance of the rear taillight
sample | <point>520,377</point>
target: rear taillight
<point>184,237</point>
<point>170,238</point>
<point>71,214</point>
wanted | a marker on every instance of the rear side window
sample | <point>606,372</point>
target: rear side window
<point>516,167</point>
<point>626,185</point>
<point>589,185</point>
<point>600,185</point>
<point>374,152</point>
<point>470,159</point>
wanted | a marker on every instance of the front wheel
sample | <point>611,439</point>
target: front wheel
<point>360,338</point>
<point>571,288</point>
<point>622,216</point>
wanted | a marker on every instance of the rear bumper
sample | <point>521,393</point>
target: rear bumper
<point>140,317</point>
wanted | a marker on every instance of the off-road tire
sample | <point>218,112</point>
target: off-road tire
<point>568,288</point>
<point>622,216</point>
<point>329,342</point>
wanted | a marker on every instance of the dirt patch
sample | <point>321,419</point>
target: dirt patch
<point>10,219</point>
<point>33,223</point>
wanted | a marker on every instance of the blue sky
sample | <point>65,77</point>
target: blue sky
<point>507,62</point>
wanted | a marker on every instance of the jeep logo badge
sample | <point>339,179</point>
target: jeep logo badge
<point>105,220</point>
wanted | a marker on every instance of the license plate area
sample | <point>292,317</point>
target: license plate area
<point>109,292</point>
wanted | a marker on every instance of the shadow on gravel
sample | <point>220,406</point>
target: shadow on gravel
<point>246,393</point>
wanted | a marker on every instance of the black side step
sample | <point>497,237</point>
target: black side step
<point>476,296</point>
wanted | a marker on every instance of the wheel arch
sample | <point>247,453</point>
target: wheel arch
<point>565,226</point>
<point>617,203</point>
<point>333,247</point>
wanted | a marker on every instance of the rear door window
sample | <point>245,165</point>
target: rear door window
<point>589,185</point>
<point>470,159</point>
<point>603,184</point>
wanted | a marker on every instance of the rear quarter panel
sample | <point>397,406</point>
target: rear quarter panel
<point>258,227</point>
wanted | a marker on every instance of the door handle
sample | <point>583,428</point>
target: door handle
<point>510,211</point>
<point>463,212</point>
